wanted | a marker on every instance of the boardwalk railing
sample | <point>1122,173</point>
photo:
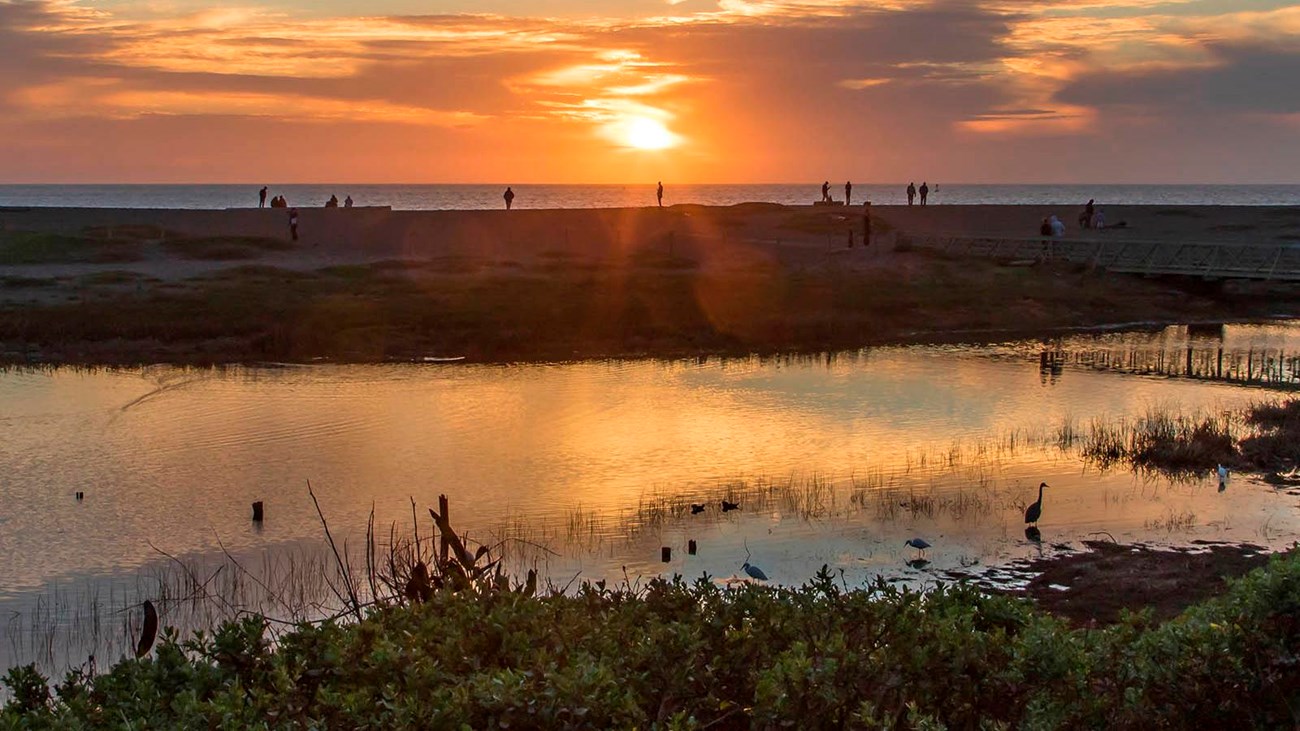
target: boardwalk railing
<point>1268,368</point>
<point>1202,259</point>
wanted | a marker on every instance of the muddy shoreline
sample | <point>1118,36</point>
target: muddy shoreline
<point>1095,586</point>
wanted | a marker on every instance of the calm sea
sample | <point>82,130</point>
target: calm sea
<point>469,197</point>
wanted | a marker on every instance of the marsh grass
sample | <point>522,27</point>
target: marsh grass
<point>1264,436</point>
<point>1165,440</point>
<point>224,248</point>
<point>24,247</point>
<point>1172,522</point>
<point>65,624</point>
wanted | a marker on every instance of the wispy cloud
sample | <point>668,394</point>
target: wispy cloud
<point>751,88</point>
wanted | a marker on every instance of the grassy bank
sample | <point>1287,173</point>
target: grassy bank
<point>558,308</point>
<point>1263,438</point>
<point>673,655</point>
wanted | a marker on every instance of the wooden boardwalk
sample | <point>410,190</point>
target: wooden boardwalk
<point>1131,256</point>
<point>1269,368</point>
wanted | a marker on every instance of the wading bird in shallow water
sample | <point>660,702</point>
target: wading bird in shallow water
<point>1035,511</point>
<point>728,507</point>
<point>919,544</point>
<point>754,572</point>
<point>696,508</point>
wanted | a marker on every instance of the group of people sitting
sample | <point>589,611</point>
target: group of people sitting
<point>279,202</point>
<point>333,202</point>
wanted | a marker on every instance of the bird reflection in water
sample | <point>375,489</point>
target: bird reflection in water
<point>1034,535</point>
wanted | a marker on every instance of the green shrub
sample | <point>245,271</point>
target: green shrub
<point>678,655</point>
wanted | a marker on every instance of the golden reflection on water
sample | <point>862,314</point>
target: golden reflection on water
<point>834,460</point>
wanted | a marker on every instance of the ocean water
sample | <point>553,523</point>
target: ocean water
<point>480,197</point>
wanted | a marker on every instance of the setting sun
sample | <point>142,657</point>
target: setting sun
<point>647,134</point>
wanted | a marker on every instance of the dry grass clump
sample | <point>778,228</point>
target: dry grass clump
<point>1165,441</point>
<point>1275,444</point>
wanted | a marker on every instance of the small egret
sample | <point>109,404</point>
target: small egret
<point>919,544</point>
<point>1035,511</point>
<point>696,508</point>
<point>728,507</point>
<point>754,572</point>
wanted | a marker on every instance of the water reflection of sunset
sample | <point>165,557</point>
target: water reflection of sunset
<point>969,435</point>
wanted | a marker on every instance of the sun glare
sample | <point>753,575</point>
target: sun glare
<point>648,134</point>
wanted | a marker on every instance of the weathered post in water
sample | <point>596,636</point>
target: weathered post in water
<point>257,512</point>
<point>444,509</point>
<point>691,547</point>
<point>666,554</point>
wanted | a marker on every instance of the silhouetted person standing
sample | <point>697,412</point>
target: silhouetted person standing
<point>261,197</point>
<point>293,223</point>
<point>659,194</point>
<point>925,191</point>
<point>911,193</point>
<point>826,191</point>
<point>848,193</point>
<point>510,197</point>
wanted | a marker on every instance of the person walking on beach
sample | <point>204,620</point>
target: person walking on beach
<point>911,193</point>
<point>826,192</point>
<point>293,223</point>
<point>261,197</point>
<point>347,202</point>
<point>848,193</point>
<point>510,197</point>
<point>925,191</point>
<point>659,194</point>
<point>1085,218</point>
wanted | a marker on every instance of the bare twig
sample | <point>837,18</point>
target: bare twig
<point>344,569</point>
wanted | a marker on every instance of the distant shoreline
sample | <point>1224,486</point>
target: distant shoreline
<point>552,196</point>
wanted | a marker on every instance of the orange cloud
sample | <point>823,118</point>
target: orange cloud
<point>752,89</point>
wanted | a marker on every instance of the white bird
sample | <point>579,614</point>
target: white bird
<point>754,572</point>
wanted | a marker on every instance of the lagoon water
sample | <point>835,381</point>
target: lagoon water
<point>835,459</point>
<point>474,197</point>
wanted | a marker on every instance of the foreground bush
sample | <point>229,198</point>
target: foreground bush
<point>675,655</point>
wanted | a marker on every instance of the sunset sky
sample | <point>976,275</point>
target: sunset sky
<point>634,90</point>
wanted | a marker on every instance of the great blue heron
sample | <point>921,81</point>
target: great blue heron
<point>754,572</point>
<point>919,544</point>
<point>1035,510</point>
<point>728,507</point>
